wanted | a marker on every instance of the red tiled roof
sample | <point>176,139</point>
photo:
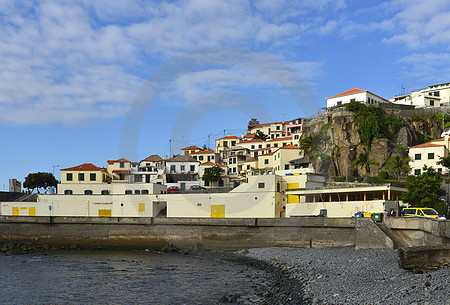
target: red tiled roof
<point>207,151</point>
<point>250,135</point>
<point>120,160</point>
<point>153,158</point>
<point>191,147</point>
<point>348,92</point>
<point>289,146</point>
<point>428,144</point>
<point>83,167</point>
<point>268,154</point>
<point>182,159</point>
<point>251,141</point>
<point>229,137</point>
<point>280,139</point>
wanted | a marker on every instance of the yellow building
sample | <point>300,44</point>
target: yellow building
<point>284,154</point>
<point>189,150</point>
<point>120,169</point>
<point>273,130</point>
<point>84,173</point>
<point>280,142</point>
<point>226,143</point>
<point>204,156</point>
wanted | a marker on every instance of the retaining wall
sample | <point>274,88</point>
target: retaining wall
<point>227,233</point>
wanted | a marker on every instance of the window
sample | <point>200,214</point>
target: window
<point>233,143</point>
<point>122,164</point>
<point>430,156</point>
<point>69,177</point>
<point>266,161</point>
<point>260,146</point>
<point>137,192</point>
<point>88,192</point>
<point>105,192</point>
<point>253,146</point>
<point>439,170</point>
<point>284,144</point>
<point>286,166</point>
<point>147,164</point>
<point>80,176</point>
<point>417,172</point>
<point>436,93</point>
<point>172,168</point>
<point>144,192</point>
<point>206,183</point>
<point>275,145</point>
<point>296,137</point>
<point>352,100</point>
<point>268,145</point>
<point>68,192</point>
<point>182,168</point>
<point>192,168</point>
<point>200,158</point>
<point>431,103</point>
<point>93,176</point>
<point>261,185</point>
<point>339,103</point>
<point>248,166</point>
<point>220,182</point>
<point>278,127</point>
<point>121,176</point>
<point>417,157</point>
<point>128,192</point>
<point>225,143</point>
<point>234,169</point>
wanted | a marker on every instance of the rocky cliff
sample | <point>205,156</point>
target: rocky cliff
<point>340,142</point>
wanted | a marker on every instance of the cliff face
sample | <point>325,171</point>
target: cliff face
<point>341,143</point>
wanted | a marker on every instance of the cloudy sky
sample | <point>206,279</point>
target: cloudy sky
<point>70,70</point>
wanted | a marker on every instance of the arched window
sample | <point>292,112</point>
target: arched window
<point>68,192</point>
<point>88,192</point>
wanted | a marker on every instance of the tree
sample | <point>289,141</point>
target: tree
<point>398,164</point>
<point>364,161</point>
<point>425,190</point>
<point>39,180</point>
<point>445,161</point>
<point>312,143</point>
<point>260,135</point>
<point>212,174</point>
<point>253,121</point>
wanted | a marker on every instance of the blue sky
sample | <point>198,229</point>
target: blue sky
<point>69,70</point>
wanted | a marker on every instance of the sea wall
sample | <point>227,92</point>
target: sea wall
<point>186,232</point>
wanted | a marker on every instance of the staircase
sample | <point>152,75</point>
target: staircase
<point>398,240</point>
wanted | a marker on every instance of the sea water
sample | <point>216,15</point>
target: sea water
<point>121,277</point>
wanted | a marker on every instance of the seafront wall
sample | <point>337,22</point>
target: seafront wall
<point>225,233</point>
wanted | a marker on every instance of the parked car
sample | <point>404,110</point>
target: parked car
<point>173,188</point>
<point>196,187</point>
<point>420,212</point>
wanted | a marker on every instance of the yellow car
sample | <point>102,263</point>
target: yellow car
<point>420,212</point>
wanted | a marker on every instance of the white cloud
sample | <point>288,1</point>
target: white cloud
<point>431,67</point>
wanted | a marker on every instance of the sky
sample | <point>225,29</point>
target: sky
<point>91,81</point>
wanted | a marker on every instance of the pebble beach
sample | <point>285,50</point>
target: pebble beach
<point>349,276</point>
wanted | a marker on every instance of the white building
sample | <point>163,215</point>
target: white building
<point>182,165</point>
<point>434,95</point>
<point>429,154</point>
<point>354,95</point>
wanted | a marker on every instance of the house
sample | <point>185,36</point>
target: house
<point>354,95</point>
<point>283,156</point>
<point>434,95</point>
<point>86,173</point>
<point>429,154</point>
<point>280,142</point>
<point>294,126</point>
<point>120,169</point>
<point>189,150</point>
<point>151,170</point>
<point>181,164</point>
<point>273,130</point>
<point>226,143</point>
<point>206,155</point>
<point>252,144</point>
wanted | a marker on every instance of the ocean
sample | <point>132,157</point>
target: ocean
<point>124,277</point>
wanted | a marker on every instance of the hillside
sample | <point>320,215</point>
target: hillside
<point>336,137</point>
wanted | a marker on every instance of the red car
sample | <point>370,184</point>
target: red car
<point>173,188</point>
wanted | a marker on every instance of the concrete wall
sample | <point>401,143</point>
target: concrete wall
<point>336,209</point>
<point>184,232</point>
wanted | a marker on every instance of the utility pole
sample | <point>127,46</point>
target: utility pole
<point>170,148</point>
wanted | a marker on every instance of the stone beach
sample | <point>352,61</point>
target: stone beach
<point>348,276</point>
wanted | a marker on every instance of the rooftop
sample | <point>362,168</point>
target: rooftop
<point>83,167</point>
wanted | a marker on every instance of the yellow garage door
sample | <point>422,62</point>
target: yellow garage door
<point>104,213</point>
<point>15,211</point>
<point>32,211</point>
<point>218,211</point>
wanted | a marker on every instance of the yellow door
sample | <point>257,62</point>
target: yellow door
<point>292,186</point>
<point>293,198</point>
<point>218,211</point>
<point>141,206</point>
<point>15,211</point>
<point>32,211</point>
<point>104,213</point>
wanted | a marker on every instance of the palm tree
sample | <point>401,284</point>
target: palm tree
<point>398,164</point>
<point>365,162</point>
